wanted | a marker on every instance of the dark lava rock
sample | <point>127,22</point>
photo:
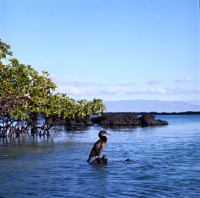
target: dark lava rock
<point>103,160</point>
<point>116,119</point>
<point>128,160</point>
<point>147,119</point>
<point>126,119</point>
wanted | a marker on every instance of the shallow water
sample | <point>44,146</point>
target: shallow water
<point>165,162</point>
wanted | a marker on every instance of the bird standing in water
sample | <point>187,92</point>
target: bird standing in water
<point>99,145</point>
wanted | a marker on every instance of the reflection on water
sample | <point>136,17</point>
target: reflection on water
<point>164,163</point>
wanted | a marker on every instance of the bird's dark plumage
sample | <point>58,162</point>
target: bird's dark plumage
<point>99,145</point>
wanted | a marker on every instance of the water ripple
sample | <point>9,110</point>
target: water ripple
<point>164,162</point>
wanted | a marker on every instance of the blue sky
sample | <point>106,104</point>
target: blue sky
<point>110,49</point>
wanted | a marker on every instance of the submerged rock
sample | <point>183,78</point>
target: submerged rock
<point>128,160</point>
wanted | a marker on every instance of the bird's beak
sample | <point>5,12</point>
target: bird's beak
<point>108,134</point>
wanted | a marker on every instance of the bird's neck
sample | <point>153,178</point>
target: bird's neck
<point>102,137</point>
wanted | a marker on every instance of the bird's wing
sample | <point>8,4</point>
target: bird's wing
<point>97,145</point>
<point>96,150</point>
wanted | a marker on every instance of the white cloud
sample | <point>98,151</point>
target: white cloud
<point>79,87</point>
<point>157,91</point>
<point>185,80</point>
<point>152,90</point>
<point>76,90</point>
<point>156,81</point>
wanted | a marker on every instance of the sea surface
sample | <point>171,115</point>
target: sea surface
<point>165,162</point>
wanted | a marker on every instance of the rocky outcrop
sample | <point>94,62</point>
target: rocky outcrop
<point>147,119</point>
<point>114,119</point>
<point>102,160</point>
<point>126,119</point>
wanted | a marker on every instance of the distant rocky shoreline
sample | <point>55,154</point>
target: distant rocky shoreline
<point>123,119</point>
<point>112,119</point>
<point>162,113</point>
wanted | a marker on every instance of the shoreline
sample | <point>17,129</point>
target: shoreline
<point>157,113</point>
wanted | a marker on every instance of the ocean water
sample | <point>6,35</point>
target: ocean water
<point>165,162</point>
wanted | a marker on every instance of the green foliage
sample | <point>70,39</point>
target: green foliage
<point>25,94</point>
<point>4,50</point>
